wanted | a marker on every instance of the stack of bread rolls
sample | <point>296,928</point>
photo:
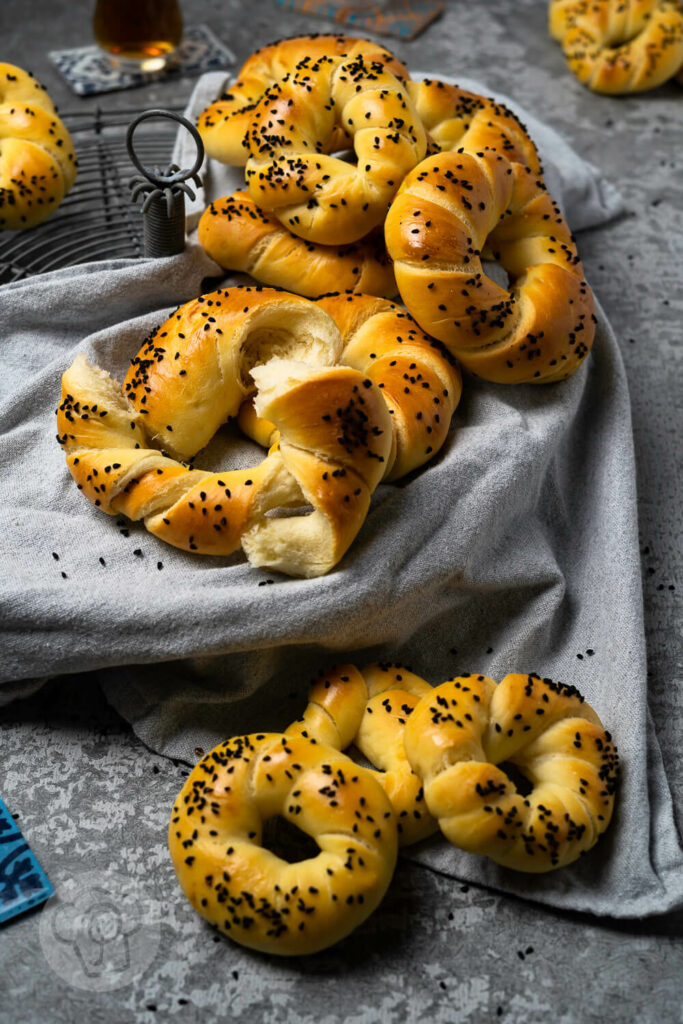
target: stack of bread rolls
<point>438,180</point>
<point>439,759</point>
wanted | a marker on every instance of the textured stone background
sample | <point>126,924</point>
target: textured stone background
<point>99,801</point>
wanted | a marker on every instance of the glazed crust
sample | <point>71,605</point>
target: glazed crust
<point>317,196</point>
<point>369,709</point>
<point>332,432</point>
<point>225,124</point>
<point>459,735</point>
<point>452,210</point>
<point>37,159</point>
<point>245,890</point>
<point>457,119</point>
<point>241,236</point>
<point>620,46</point>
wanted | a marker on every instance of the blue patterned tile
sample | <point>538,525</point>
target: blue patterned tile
<point>23,883</point>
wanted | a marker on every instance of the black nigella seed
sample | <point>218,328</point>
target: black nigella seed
<point>138,552</point>
<point>160,565</point>
<point>102,561</point>
<point>55,556</point>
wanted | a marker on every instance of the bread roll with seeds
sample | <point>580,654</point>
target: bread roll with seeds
<point>245,890</point>
<point>124,446</point>
<point>224,125</point>
<point>457,119</point>
<point>335,439</point>
<point>459,738</point>
<point>419,380</point>
<point>369,709</point>
<point>37,159</point>
<point>619,46</point>
<point>451,208</point>
<point>317,196</point>
<point>240,236</point>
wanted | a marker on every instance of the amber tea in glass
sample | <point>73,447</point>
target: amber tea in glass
<point>141,34</point>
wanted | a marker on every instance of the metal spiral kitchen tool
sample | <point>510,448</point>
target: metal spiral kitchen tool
<point>163,209</point>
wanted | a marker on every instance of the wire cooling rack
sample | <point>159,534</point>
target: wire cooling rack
<point>97,219</point>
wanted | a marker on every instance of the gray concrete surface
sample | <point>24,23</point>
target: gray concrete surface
<point>94,802</point>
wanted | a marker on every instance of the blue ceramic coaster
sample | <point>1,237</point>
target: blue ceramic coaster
<point>88,70</point>
<point>23,883</point>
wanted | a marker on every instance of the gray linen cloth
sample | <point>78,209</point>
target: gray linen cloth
<point>514,550</point>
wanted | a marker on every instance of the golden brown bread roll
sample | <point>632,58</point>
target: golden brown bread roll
<point>251,894</point>
<point>240,236</point>
<point>369,709</point>
<point>189,377</point>
<point>224,125</point>
<point>37,159</point>
<point>449,210</point>
<point>461,732</point>
<point>458,119</point>
<point>620,46</point>
<point>419,380</point>
<point>289,172</point>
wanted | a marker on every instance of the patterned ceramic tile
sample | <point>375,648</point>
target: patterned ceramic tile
<point>23,883</point>
<point>88,70</point>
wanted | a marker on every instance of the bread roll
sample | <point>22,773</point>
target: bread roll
<point>249,893</point>
<point>37,159</point>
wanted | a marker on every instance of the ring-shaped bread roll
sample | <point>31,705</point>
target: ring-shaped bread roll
<point>457,119</point>
<point>241,236</point>
<point>620,46</point>
<point>224,125</point>
<point>249,893</point>
<point>459,735</point>
<point>419,380</point>
<point>37,159</point>
<point>290,172</point>
<point>123,446</point>
<point>449,210</point>
<point>369,709</point>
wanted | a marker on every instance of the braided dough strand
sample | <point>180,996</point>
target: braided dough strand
<point>321,197</point>
<point>419,380</point>
<point>224,125</point>
<point>241,236</point>
<point>449,210</point>
<point>192,374</point>
<point>37,159</point>
<point>459,734</point>
<point>457,119</point>
<point>249,893</point>
<point>369,709</point>
<point>620,46</point>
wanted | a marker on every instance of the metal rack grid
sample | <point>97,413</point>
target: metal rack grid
<point>96,220</point>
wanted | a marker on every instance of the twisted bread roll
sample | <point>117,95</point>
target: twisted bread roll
<point>192,374</point>
<point>321,197</point>
<point>249,893</point>
<point>419,381</point>
<point>456,119</point>
<point>620,46</point>
<point>37,159</point>
<point>458,735</point>
<point>369,709</point>
<point>224,125</point>
<point>448,210</point>
<point>240,236</point>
